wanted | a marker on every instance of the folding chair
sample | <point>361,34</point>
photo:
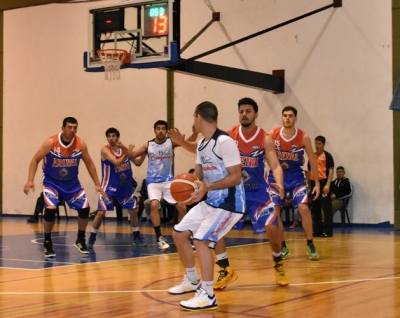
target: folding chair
<point>344,211</point>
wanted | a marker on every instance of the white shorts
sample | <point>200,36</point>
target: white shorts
<point>208,223</point>
<point>159,190</point>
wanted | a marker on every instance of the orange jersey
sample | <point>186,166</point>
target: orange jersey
<point>251,148</point>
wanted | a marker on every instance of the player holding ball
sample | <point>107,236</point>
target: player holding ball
<point>219,170</point>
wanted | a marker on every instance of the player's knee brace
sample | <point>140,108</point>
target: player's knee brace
<point>83,213</point>
<point>49,214</point>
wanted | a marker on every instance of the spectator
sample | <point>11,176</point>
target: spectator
<point>340,188</point>
<point>325,166</point>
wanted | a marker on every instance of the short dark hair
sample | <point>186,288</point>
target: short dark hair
<point>321,139</point>
<point>340,168</point>
<point>70,120</point>
<point>112,130</point>
<point>208,111</point>
<point>248,101</point>
<point>161,123</point>
<point>290,108</point>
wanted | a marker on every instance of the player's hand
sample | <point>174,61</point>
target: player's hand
<point>176,136</point>
<point>280,189</point>
<point>315,192</point>
<point>121,145</point>
<point>199,193</point>
<point>29,185</point>
<point>101,191</point>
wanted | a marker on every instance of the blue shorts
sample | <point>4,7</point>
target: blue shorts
<point>298,194</point>
<point>70,191</point>
<point>126,202</point>
<point>261,211</point>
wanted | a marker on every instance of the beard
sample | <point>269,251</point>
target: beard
<point>246,125</point>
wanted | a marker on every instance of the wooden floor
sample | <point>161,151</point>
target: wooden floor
<point>358,275</point>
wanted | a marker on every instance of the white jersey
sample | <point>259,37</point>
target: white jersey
<point>159,168</point>
<point>214,155</point>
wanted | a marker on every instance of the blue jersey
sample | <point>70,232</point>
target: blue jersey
<point>62,162</point>
<point>214,162</point>
<point>117,180</point>
<point>159,168</point>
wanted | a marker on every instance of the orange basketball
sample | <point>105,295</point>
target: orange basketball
<point>182,187</point>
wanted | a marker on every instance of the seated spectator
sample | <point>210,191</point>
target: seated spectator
<point>340,187</point>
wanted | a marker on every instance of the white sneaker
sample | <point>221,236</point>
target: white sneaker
<point>185,287</point>
<point>200,301</point>
<point>162,244</point>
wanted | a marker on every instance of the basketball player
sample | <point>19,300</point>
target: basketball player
<point>160,152</point>
<point>255,146</point>
<point>61,155</point>
<point>290,144</point>
<point>218,167</point>
<point>117,183</point>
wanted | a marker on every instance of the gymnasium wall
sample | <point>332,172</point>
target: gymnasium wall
<point>338,67</point>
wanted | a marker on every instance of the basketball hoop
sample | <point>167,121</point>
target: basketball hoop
<point>112,60</point>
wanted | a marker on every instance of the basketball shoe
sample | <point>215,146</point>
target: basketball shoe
<point>81,246</point>
<point>162,244</point>
<point>91,241</point>
<point>312,252</point>
<point>185,287</point>
<point>48,249</point>
<point>226,276</point>
<point>139,241</point>
<point>200,301</point>
<point>281,278</point>
<point>285,252</point>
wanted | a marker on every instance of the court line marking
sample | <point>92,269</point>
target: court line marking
<point>166,290</point>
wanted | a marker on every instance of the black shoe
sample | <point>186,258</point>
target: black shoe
<point>81,246</point>
<point>48,250</point>
<point>32,219</point>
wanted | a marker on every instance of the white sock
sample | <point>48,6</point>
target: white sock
<point>222,256</point>
<point>191,274</point>
<point>208,286</point>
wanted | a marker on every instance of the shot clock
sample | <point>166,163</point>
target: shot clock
<point>147,30</point>
<point>155,20</point>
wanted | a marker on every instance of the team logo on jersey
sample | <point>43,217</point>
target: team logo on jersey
<point>162,155</point>
<point>245,176</point>
<point>256,147</point>
<point>277,143</point>
<point>295,146</point>
<point>206,160</point>
<point>122,177</point>
<point>75,152</point>
<point>63,172</point>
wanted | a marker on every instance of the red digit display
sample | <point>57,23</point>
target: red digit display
<point>156,20</point>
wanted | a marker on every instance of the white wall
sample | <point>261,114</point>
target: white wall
<point>338,67</point>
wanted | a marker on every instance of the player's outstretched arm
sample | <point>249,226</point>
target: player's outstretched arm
<point>132,154</point>
<point>43,150</point>
<point>139,160</point>
<point>179,140</point>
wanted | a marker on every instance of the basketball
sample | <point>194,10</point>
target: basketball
<point>182,187</point>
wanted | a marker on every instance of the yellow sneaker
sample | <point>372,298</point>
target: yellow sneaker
<point>281,278</point>
<point>226,276</point>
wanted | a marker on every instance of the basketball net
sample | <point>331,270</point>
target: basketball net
<point>112,61</point>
